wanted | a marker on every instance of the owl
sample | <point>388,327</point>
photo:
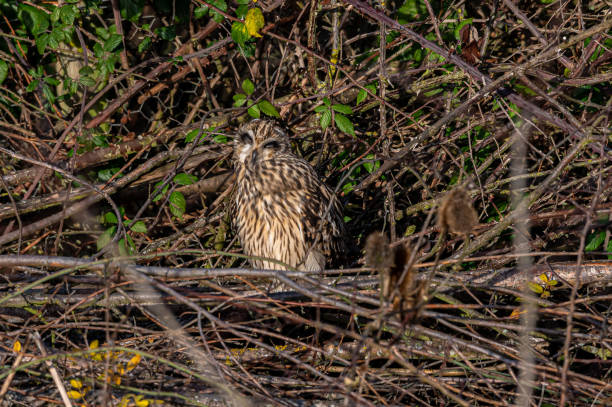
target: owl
<point>282,210</point>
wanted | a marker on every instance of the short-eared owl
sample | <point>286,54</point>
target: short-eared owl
<point>283,211</point>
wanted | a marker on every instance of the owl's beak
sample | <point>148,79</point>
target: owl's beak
<point>253,160</point>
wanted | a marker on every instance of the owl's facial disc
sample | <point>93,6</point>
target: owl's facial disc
<point>245,141</point>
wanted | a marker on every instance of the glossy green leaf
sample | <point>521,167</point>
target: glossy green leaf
<point>239,99</point>
<point>113,42</point>
<point>248,87</point>
<point>595,241</point>
<point>342,109</point>
<point>177,204</point>
<point>344,124</point>
<point>239,33</point>
<point>185,179</point>
<point>254,112</point>
<point>268,109</point>
<point>3,70</point>
<point>106,237</point>
<point>138,227</point>
<point>325,119</point>
<point>109,218</point>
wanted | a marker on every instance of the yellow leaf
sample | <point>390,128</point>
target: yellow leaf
<point>94,344</point>
<point>140,402</point>
<point>133,362</point>
<point>116,380</point>
<point>254,21</point>
<point>516,313</point>
<point>73,394</point>
<point>544,277</point>
<point>17,347</point>
<point>535,287</point>
<point>76,383</point>
<point>125,401</point>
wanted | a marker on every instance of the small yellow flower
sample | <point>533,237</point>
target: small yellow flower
<point>17,347</point>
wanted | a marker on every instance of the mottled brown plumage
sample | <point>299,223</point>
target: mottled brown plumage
<point>282,210</point>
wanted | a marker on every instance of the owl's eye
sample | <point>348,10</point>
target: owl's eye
<point>272,144</point>
<point>245,138</point>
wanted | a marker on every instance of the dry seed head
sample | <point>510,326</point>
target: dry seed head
<point>456,213</point>
<point>378,252</point>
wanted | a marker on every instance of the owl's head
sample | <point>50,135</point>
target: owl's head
<point>258,141</point>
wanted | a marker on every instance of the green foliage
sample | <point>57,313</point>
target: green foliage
<point>177,204</point>
<point>255,109</point>
<point>595,241</point>
<point>362,95</point>
<point>342,122</point>
<point>201,11</point>
<point>185,179</point>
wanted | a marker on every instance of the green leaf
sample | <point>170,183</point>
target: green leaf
<point>36,20</point>
<point>221,5</point>
<point>51,81</point>
<point>254,112</point>
<point>123,250</point>
<point>86,70</point>
<point>595,241</point>
<point>325,119</point>
<point>3,70</point>
<point>113,42</point>
<point>99,140</point>
<point>361,96</point>
<point>32,85</point>
<point>239,99</point>
<point>342,109</point>
<point>131,9</point>
<point>268,109</point>
<point>107,173</point>
<point>106,237</point>
<point>109,218</point>
<point>49,95</point>
<point>191,135</point>
<point>248,87</point>
<point>87,81</point>
<point>144,44</point>
<point>348,187</point>
<point>177,204</point>
<point>321,108</point>
<point>162,193</point>
<point>138,227</point>
<point>68,13</point>
<point>326,101</point>
<point>220,138</point>
<point>239,33</point>
<point>185,179</point>
<point>344,124</point>
<point>41,42</point>
<point>241,11</point>
<point>200,11</point>
<point>166,33</point>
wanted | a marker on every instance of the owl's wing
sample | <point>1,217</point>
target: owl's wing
<point>323,222</point>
